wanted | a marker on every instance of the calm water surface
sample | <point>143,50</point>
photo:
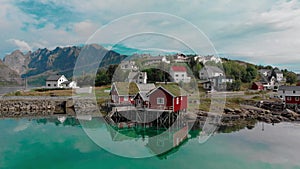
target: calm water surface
<point>48,143</point>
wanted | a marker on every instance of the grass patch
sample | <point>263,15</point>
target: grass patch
<point>205,104</point>
<point>65,92</point>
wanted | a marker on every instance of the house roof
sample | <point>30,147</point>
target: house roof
<point>213,69</point>
<point>134,75</point>
<point>126,88</point>
<point>53,77</point>
<point>178,68</point>
<point>144,96</point>
<point>264,70</point>
<point>264,79</point>
<point>277,71</point>
<point>258,83</point>
<point>289,88</point>
<point>146,87</point>
<point>173,89</point>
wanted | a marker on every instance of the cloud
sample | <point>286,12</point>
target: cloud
<point>85,28</point>
<point>261,31</point>
<point>22,45</point>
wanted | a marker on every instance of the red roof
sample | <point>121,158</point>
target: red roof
<point>178,68</point>
<point>258,83</point>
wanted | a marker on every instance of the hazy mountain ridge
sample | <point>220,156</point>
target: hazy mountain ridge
<point>60,60</point>
<point>8,76</point>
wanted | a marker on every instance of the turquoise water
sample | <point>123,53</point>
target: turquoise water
<point>47,143</point>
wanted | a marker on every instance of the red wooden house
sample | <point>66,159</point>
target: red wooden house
<point>123,92</point>
<point>290,94</point>
<point>164,97</point>
<point>257,86</point>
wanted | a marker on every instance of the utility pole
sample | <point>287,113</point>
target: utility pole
<point>25,83</point>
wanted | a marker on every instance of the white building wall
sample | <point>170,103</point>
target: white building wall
<point>51,84</point>
<point>180,76</point>
<point>61,80</point>
<point>73,84</point>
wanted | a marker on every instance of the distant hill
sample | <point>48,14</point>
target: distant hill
<point>37,65</point>
<point>8,77</point>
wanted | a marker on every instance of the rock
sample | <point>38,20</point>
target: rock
<point>11,108</point>
<point>276,120</point>
<point>69,103</point>
<point>268,120</point>
<point>228,110</point>
<point>238,111</point>
<point>191,116</point>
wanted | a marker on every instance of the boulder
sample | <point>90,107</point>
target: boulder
<point>228,110</point>
<point>238,111</point>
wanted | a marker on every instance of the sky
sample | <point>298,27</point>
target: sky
<point>259,31</point>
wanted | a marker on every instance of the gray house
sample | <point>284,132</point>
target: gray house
<point>210,72</point>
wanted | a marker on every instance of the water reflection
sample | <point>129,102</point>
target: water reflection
<point>158,141</point>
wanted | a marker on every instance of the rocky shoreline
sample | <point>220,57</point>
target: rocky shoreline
<point>18,107</point>
<point>248,115</point>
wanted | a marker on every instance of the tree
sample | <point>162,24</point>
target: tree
<point>291,77</point>
<point>235,86</point>
<point>250,74</point>
<point>111,71</point>
<point>101,78</point>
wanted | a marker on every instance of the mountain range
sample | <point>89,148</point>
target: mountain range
<point>36,66</point>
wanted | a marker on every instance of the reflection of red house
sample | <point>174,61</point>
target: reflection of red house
<point>167,97</point>
<point>257,86</point>
<point>167,142</point>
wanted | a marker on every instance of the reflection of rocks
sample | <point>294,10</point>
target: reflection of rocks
<point>44,106</point>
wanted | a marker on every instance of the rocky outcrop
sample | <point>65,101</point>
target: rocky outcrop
<point>18,61</point>
<point>8,76</point>
<point>247,115</point>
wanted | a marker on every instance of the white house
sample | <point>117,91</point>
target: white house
<point>279,75</point>
<point>69,84</point>
<point>179,74</point>
<point>265,72</point>
<point>59,81</point>
<point>128,65</point>
<point>137,77</point>
<point>181,58</point>
<point>204,59</point>
<point>155,60</point>
<point>217,83</point>
<point>208,72</point>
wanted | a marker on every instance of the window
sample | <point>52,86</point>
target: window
<point>182,75</point>
<point>177,100</point>
<point>294,91</point>
<point>288,98</point>
<point>49,85</point>
<point>297,98</point>
<point>125,98</point>
<point>160,100</point>
<point>54,85</point>
<point>283,91</point>
<point>176,75</point>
